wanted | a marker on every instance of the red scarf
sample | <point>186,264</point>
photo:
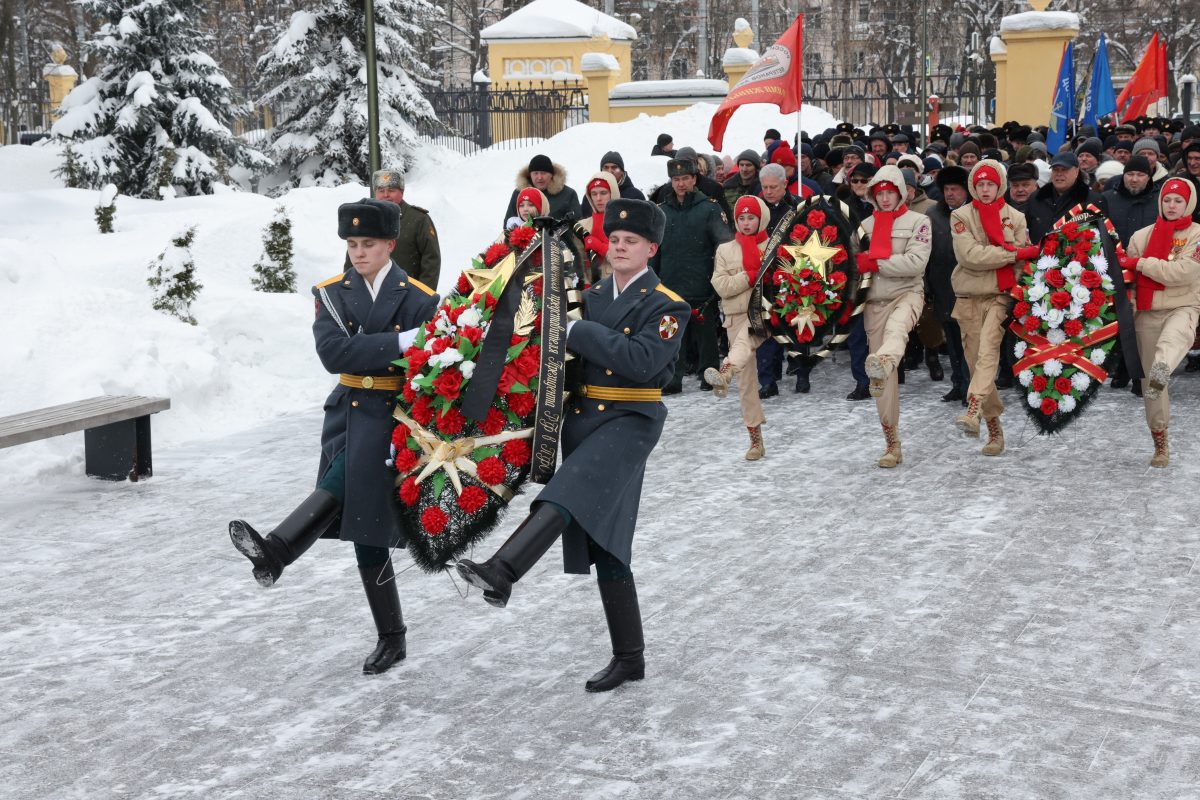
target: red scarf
<point>751,256</point>
<point>989,216</point>
<point>881,235</point>
<point>1160,246</point>
<point>601,243</point>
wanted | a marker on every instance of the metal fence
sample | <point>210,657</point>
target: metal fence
<point>880,99</point>
<point>474,117</point>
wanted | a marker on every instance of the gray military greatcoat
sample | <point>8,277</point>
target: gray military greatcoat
<point>629,342</point>
<point>359,421</point>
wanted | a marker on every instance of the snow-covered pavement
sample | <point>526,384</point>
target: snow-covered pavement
<point>960,627</point>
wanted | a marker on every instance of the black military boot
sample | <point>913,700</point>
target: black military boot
<point>384,600</point>
<point>936,373</point>
<point>290,538</point>
<point>625,629</point>
<point>529,542</point>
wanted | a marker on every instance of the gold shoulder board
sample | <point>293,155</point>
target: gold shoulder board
<point>421,286</point>
<point>330,281</point>
<point>668,293</point>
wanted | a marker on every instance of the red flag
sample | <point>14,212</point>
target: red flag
<point>1147,84</point>
<point>775,78</point>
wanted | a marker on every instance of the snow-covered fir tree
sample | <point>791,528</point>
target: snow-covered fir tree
<point>318,73</point>
<point>273,272</point>
<point>106,209</point>
<point>155,89</point>
<point>173,278</point>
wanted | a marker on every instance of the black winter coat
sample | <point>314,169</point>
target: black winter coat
<point>705,185</point>
<point>1129,212</point>
<point>1047,207</point>
<point>942,262</point>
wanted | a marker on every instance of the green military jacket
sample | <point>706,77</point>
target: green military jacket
<point>417,250</point>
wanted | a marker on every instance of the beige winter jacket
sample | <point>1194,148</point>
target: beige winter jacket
<point>1180,275</point>
<point>978,259</point>
<point>730,279</point>
<point>912,241</point>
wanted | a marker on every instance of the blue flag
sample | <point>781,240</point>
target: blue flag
<point>1062,109</point>
<point>1101,99</point>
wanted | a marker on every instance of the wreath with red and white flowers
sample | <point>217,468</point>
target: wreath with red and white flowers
<point>808,296</point>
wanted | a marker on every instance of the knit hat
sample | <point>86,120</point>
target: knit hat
<point>1146,143</point>
<point>1108,169</point>
<point>612,157</point>
<point>968,147</point>
<point>373,219</point>
<point>636,216</point>
<point>751,156</point>
<point>538,199</point>
<point>606,180</point>
<point>931,164</point>
<point>772,134</point>
<point>984,171</point>
<point>888,178</point>
<point>664,139</point>
<point>749,204</point>
<point>910,177</point>
<point>541,163</point>
<point>784,155</point>
<point>1091,146</point>
<point>1139,164</point>
<point>1123,144</point>
<point>1183,188</point>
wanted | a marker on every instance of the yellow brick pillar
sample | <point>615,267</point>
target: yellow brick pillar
<point>599,70</point>
<point>738,60</point>
<point>1027,58</point>
<point>61,79</point>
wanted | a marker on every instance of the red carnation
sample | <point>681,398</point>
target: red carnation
<point>408,393</point>
<point>463,286</point>
<point>1070,229</point>
<point>1091,311</point>
<point>1049,405</point>
<point>804,335</point>
<point>1062,385</point>
<point>1099,297</point>
<point>406,459</point>
<point>1060,299</point>
<point>400,437</point>
<point>472,498</point>
<point>491,471</point>
<point>1072,327</point>
<point>434,520</point>
<point>410,492</point>
<point>840,256</point>
<point>417,358</point>
<point>837,277</point>
<point>1090,278</point>
<point>509,377</point>
<point>816,219</point>
<point>455,313</point>
<point>1039,383</point>
<point>1050,246</point>
<point>516,452</point>
<point>448,384</point>
<point>472,334</point>
<point>1021,309</point>
<point>451,421</point>
<point>537,287</point>
<point>493,423</point>
<point>800,233</point>
<point>774,319</point>
<point>522,404</point>
<point>527,362</point>
<point>494,253</point>
<point>1055,278</point>
<point>421,411</point>
<point>1032,323</point>
<point>829,233</point>
<point>521,237</point>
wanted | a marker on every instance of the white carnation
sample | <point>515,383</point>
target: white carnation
<point>446,358</point>
<point>1081,293</point>
<point>1020,349</point>
<point>1100,263</point>
<point>1056,336</point>
<point>1067,403</point>
<point>1097,355</point>
<point>470,317</point>
<point>1081,381</point>
<point>443,324</point>
<point>1053,368</point>
<point>1106,283</point>
<point>1034,399</point>
<point>1025,376</point>
<point>1046,262</point>
<point>1038,291</point>
<point>1075,311</point>
<point>1038,310</point>
<point>467,369</point>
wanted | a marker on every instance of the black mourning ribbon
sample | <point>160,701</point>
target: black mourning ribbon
<point>1126,337</point>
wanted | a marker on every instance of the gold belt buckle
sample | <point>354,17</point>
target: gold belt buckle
<point>368,382</point>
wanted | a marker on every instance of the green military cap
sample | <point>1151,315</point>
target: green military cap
<point>387,179</point>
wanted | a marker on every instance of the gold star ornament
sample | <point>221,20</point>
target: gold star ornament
<point>481,279</point>
<point>818,255</point>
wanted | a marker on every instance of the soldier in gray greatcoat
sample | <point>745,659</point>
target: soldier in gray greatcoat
<point>366,317</point>
<point>628,341</point>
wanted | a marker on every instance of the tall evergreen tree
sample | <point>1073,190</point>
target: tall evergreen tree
<point>273,272</point>
<point>318,71</point>
<point>155,90</point>
<point>173,277</point>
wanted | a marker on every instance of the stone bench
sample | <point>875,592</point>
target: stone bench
<point>116,432</point>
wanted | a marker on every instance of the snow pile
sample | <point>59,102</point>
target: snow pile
<point>558,19</point>
<point>79,321</point>
<point>736,56</point>
<point>594,62</point>
<point>1040,21</point>
<point>690,88</point>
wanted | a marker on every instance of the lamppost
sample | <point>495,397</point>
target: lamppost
<point>372,93</point>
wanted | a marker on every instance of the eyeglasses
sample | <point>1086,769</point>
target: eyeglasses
<point>859,180</point>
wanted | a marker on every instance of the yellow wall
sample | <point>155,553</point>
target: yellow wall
<point>626,113</point>
<point>1025,75</point>
<point>549,55</point>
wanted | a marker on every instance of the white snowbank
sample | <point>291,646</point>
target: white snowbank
<point>78,320</point>
<point>1040,21</point>
<point>558,19</point>
<point>692,87</point>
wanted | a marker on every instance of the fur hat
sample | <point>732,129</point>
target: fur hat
<point>375,219</point>
<point>636,216</point>
<point>387,179</point>
<point>681,166</point>
<point>952,175</point>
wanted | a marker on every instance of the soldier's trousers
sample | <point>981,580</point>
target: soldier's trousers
<point>888,324</point>
<point>1164,336</point>
<point>981,321</point>
<point>742,347</point>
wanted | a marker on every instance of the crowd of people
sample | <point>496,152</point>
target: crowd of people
<point>1119,169</point>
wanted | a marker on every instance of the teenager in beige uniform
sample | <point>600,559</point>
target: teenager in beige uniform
<point>735,266</point>
<point>901,240</point>
<point>990,239</point>
<point>601,188</point>
<point>1166,256</point>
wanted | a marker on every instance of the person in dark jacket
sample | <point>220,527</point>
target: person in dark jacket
<point>551,180</point>
<point>704,184</point>
<point>614,165</point>
<point>853,192</point>
<point>1068,188</point>
<point>366,317</point>
<point>1022,186</point>
<point>745,180</point>
<point>768,358</point>
<point>684,263</point>
<point>1134,203</point>
<point>417,250</point>
<point>665,146</point>
<point>952,181</point>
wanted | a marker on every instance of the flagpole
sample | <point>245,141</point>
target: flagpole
<point>799,78</point>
